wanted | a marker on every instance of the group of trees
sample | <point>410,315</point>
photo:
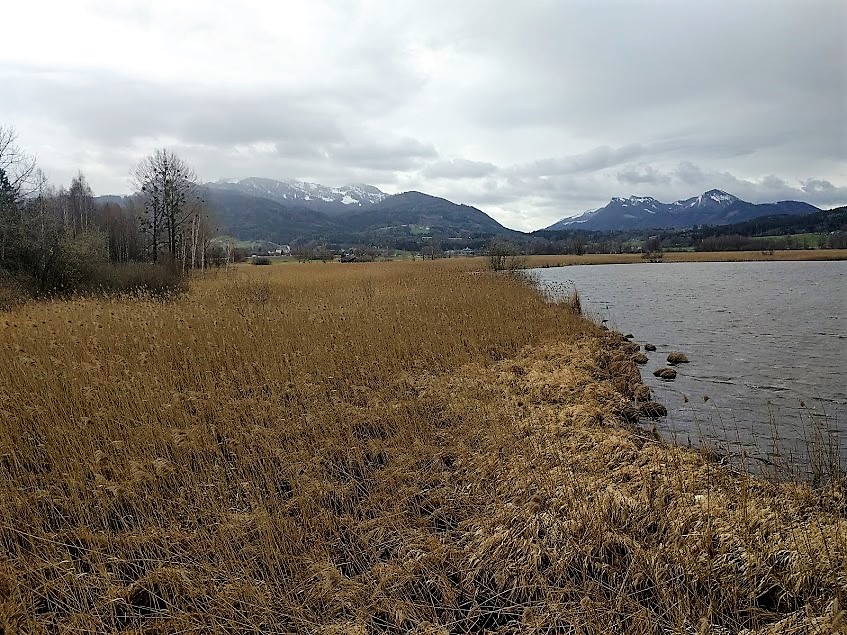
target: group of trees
<point>174,217</point>
<point>504,256</point>
<point>821,230</point>
<point>737,242</point>
<point>55,239</point>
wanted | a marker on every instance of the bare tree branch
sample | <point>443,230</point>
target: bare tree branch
<point>17,165</point>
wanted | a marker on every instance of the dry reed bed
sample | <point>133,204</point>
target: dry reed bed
<point>372,448</point>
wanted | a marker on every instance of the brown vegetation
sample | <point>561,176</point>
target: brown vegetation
<point>676,357</point>
<point>667,374</point>
<point>641,392</point>
<point>398,447</point>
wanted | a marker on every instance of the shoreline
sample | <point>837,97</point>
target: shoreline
<point>552,260</point>
<point>581,464</point>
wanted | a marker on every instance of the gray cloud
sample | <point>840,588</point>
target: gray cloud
<point>115,110</point>
<point>396,154</point>
<point>766,189</point>
<point>590,161</point>
<point>643,174</point>
<point>531,110</point>
<point>459,169</point>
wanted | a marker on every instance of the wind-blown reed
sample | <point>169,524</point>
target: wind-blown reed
<point>372,448</point>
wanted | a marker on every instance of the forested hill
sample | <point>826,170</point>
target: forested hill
<point>825,228</point>
<point>822,222</point>
<point>407,215</point>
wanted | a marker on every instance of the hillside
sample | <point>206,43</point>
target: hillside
<point>255,218</point>
<point>714,207</point>
<point>821,222</point>
<point>422,210</point>
<point>408,215</point>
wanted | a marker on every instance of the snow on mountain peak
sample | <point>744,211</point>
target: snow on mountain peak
<point>294,190</point>
<point>720,196</point>
<point>634,200</point>
<point>712,196</point>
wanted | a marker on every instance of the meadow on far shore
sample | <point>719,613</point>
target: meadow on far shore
<point>689,256</point>
<point>562,260</point>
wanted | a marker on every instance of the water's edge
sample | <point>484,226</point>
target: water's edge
<point>764,382</point>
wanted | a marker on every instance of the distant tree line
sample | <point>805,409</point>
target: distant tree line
<point>822,230</point>
<point>60,240</point>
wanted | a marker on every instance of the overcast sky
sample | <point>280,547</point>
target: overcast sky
<point>528,109</point>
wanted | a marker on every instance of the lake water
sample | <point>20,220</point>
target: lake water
<point>767,343</point>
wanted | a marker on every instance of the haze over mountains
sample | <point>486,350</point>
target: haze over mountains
<point>714,207</point>
<point>286,211</point>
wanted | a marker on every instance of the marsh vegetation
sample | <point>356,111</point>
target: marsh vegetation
<point>386,447</point>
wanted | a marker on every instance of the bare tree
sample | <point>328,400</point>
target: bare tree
<point>504,256</point>
<point>16,165</point>
<point>16,171</point>
<point>80,205</point>
<point>196,239</point>
<point>168,187</point>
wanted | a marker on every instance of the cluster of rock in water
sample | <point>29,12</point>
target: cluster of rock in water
<point>667,373</point>
<point>646,407</point>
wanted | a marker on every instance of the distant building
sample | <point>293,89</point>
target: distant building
<point>467,252</point>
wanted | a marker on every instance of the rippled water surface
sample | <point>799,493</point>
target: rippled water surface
<point>766,340</point>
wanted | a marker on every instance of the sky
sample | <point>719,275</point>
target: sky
<point>531,110</point>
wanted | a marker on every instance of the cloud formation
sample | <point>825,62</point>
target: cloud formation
<point>531,111</point>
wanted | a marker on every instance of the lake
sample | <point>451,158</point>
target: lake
<point>767,345</point>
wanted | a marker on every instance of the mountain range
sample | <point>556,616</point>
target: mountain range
<point>714,207</point>
<point>284,211</point>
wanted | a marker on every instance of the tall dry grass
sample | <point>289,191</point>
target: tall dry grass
<point>388,447</point>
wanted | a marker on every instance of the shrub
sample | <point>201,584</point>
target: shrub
<point>505,257</point>
<point>261,260</point>
<point>12,293</point>
<point>80,258</point>
<point>136,277</point>
<point>837,240</point>
<point>652,244</point>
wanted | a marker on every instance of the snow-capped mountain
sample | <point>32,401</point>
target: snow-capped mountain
<point>714,207</point>
<point>322,198</point>
<point>712,200</point>
<point>399,217</point>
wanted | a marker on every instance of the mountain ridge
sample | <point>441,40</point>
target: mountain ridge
<point>713,207</point>
<point>408,214</point>
<point>323,198</point>
<point>256,208</point>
